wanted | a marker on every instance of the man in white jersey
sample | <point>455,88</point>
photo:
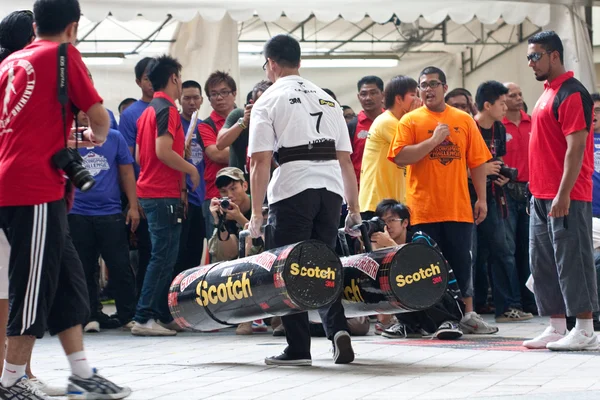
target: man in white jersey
<point>307,130</point>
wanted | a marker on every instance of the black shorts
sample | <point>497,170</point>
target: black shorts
<point>47,289</point>
<point>454,239</point>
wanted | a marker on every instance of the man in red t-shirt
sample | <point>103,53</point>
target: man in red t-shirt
<point>47,287</point>
<point>161,188</point>
<point>220,89</point>
<point>518,130</point>
<point>370,96</point>
<point>560,179</point>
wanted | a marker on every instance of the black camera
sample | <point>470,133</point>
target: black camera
<point>225,203</point>
<point>507,172</point>
<point>70,161</point>
<point>371,226</point>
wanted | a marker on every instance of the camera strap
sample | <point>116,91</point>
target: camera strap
<point>63,96</point>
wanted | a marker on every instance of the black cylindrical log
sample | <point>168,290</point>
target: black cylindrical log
<point>286,280</point>
<point>411,277</point>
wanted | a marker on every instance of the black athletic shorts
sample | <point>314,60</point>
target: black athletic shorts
<point>47,287</point>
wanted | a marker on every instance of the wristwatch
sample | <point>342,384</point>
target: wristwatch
<point>241,123</point>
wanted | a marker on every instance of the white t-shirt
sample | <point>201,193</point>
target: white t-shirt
<point>296,112</point>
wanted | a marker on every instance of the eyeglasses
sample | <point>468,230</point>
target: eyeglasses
<point>535,57</point>
<point>222,94</point>
<point>265,65</point>
<point>389,221</point>
<point>431,84</point>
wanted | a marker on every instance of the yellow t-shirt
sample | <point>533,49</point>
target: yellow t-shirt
<point>437,189</point>
<point>379,178</point>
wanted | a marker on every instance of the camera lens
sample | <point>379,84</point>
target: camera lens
<point>225,203</point>
<point>71,163</point>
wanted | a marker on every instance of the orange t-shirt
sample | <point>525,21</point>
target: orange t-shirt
<point>437,188</point>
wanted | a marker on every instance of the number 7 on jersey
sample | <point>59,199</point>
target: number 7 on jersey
<point>319,115</point>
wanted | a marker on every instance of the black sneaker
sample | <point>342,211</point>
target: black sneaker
<point>342,348</point>
<point>95,388</point>
<point>107,322</point>
<point>285,359</point>
<point>449,330</point>
<point>401,331</point>
<point>22,390</point>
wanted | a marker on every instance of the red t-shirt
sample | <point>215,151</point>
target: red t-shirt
<point>564,108</point>
<point>358,143</point>
<point>209,138</point>
<point>157,180</point>
<point>31,125</point>
<point>517,145</point>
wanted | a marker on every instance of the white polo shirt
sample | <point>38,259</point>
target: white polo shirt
<point>295,112</point>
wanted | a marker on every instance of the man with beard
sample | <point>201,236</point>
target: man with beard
<point>561,152</point>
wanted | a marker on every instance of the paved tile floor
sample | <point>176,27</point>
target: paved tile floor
<point>225,366</point>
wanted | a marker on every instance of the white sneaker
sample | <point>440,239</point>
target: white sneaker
<point>172,326</point>
<point>473,324</point>
<point>49,390</point>
<point>151,328</point>
<point>92,327</point>
<point>576,340</point>
<point>541,341</point>
<point>128,326</point>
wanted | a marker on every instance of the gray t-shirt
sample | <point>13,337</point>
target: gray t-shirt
<point>238,149</point>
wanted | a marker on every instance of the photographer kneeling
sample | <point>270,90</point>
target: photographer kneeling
<point>231,213</point>
<point>440,321</point>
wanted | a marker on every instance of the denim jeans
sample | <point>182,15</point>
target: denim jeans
<point>517,236</point>
<point>164,234</point>
<point>491,233</point>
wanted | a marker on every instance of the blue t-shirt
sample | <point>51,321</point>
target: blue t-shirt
<point>596,176</point>
<point>128,127</point>
<point>113,121</point>
<point>104,198</point>
<point>196,198</point>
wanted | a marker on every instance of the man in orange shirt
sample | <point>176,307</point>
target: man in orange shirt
<point>438,143</point>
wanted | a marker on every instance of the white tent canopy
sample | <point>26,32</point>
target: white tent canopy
<point>434,11</point>
<point>207,31</point>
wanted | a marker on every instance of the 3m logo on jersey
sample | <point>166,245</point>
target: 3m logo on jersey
<point>13,102</point>
<point>231,290</point>
<point>95,163</point>
<point>433,271</point>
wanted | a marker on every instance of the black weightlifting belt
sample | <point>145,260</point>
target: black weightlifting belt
<point>322,151</point>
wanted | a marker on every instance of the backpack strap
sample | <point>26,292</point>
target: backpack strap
<point>208,121</point>
<point>352,130</point>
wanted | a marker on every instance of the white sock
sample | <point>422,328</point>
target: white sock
<point>80,365</point>
<point>467,315</point>
<point>586,325</point>
<point>559,324</point>
<point>12,373</point>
